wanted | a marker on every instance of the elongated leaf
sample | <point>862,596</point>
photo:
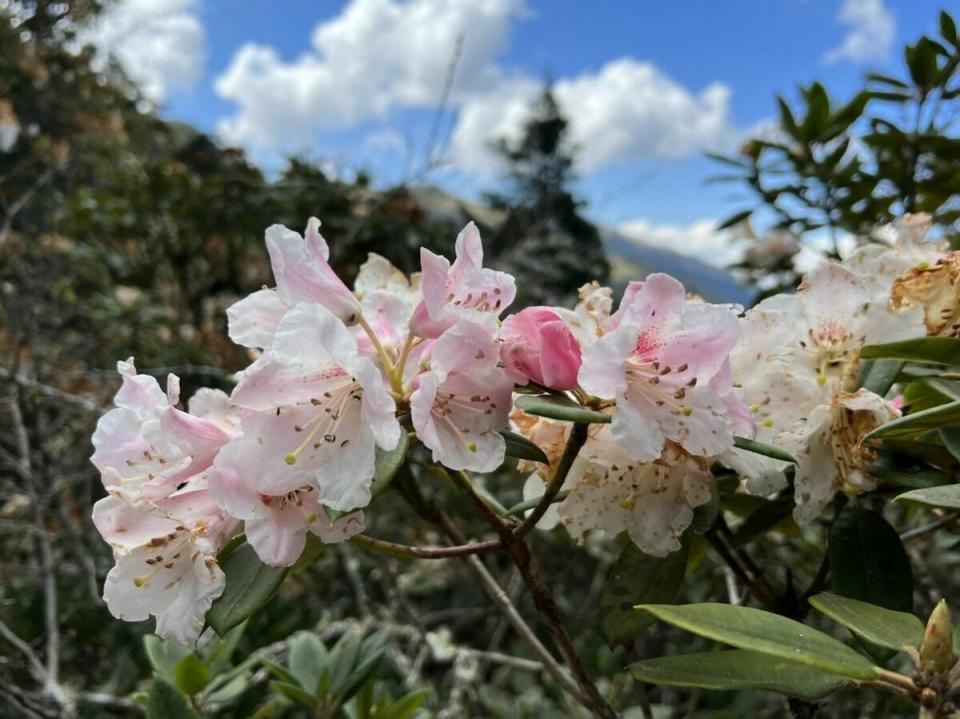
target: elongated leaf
<point>868,561</point>
<point>917,424</point>
<point>250,585</point>
<point>522,448</point>
<point>191,674</point>
<point>294,693</point>
<point>766,633</point>
<point>388,464</point>
<point>737,669</point>
<point>911,479</point>
<point>637,578</point>
<point>947,496</point>
<point>950,436</point>
<point>556,407</point>
<point>887,628</point>
<point>879,375</point>
<point>767,450</point>
<point>926,350</point>
<point>165,702</point>
<point>531,503</point>
<point>768,516</point>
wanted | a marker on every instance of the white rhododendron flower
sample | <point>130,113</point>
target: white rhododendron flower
<point>303,274</point>
<point>146,447</point>
<point>166,558</point>
<point>463,400</point>
<point>320,410</point>
<point>830,455</point>
<point>652,501</point>
<point>659,363</point>
<point>464,290</point>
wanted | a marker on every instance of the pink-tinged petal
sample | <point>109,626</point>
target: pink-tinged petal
<point>279,538</point>
<point>707,335</point>
<point>657,301</point>
<point>337,530</point>
<point>252,321</point>
<point>117,439</point>
<point>315,241</point>
<point>303,275</point>
<point>184,619</point>
<point>378,407</point>
<point>232,486</point>
<point>832,295</point>
<point>602,372</point>
<point>434,271</point>
<point>464,290</point>
<point>637,430</point>
<point>214,405</point>
<point>560,357</point>
<point>125,526</point>
<point>139,393</point>
<point>816,479</point>
<point>461,404</point>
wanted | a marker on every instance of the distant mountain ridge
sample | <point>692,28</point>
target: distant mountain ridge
<point>629,258</point>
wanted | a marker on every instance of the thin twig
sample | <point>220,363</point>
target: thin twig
<point>413,552</point>
<point>36,666</point>
<point>575,442</point>
<point>758,591</point>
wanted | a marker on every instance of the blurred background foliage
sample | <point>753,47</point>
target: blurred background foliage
<point>122,233</point>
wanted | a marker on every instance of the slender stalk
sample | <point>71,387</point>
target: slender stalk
<point>757,590</point>
<point>575,442</point>
<point>388,366</point>
<point>413,552</point>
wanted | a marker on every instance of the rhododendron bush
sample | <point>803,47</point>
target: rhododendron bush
<point>659,416</point>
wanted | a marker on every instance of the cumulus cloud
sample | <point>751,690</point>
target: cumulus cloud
<point>700,239</point>
<point>160,43</point>
<point>871,35</point>
<point>376,56</point>
<point>628,110</point>
<point>379,56</point>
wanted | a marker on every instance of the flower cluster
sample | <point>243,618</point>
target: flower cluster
<point>341,373</point>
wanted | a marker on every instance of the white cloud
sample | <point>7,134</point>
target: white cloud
<point>871,35</point>
<point>700,239</point>
<point>629,110</point>
<point>376,56</point>
<point>160,43</point>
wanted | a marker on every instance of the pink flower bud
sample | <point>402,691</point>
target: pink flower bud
<point>538,346</point>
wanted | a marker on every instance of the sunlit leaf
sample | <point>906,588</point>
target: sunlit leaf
<point>250,585</point>
<point>929,350</point>
<point>946,496</point>
<point>737,669</point>
<point>766,633</point>
<point>885,627</point>
<point>767,450</point>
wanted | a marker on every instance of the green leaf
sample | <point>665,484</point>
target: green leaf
<point>868,561</point>
<point>165,702</point>
<point>947,496</point>
<point>766,633</point>
<point>735,219</point>
<point>163,656</point>
<point>521,507</point>
<point>767,450</point>
<point>191,674</point>
<point>950,436</point>
<point>885,627</point>
<point>308,660</point>
<point>637,578</point>
<point>879,375</point>
<point>925,350</point>
<point>557,407</point>
<point>948,28</point>
<point>405,707</point>
<point>911,478</point>
<point>761,521</point>
<point>737,669</point>
<point>250,585</point>
<point>294,693</point>
<point>917,424</point>
<point>522,448</point>
<point>388,463</point>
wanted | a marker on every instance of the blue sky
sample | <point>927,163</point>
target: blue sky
<point>649,85</point>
